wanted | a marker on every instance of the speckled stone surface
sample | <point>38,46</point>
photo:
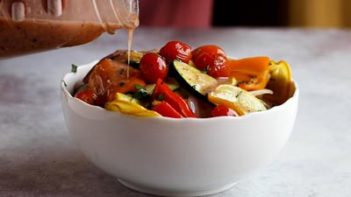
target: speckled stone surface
<point>38,158</point>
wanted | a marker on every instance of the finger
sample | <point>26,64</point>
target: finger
<point>55,7</point>
<point>18,11</point>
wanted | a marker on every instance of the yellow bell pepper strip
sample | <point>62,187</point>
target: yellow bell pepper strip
<point>236,99</point>
<point>128,105</point>
<point>280,82</point>
<point>252,73</point>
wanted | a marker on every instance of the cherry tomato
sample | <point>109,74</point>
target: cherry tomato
<point>218,69</point>
<point>153,67</point>
<point>221,110</point>
<point>207,56</point>
<point>86,95</point>
<point>176,50</point>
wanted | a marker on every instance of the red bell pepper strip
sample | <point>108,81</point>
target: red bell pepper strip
<point>176,101</point>
<point>165,109</point>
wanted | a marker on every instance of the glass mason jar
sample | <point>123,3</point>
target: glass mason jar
<point>28,26</point>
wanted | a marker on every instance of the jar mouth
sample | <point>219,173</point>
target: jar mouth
<point>121,13</point>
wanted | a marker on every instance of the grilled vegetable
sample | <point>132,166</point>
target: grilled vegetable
<point>252,73</point>
<point>236,98</point>
<point>85,94</point>
<point>163,92</point>
<point>199,82</point>
<point>150,87</point>
<point>221,110</point>
<point>165,109</point>
<point>128,105</point>
<point>122,56</point>
<point>176,50</point>
<point>208,57</point>
<point>153,67</point>
<point>280,83</point>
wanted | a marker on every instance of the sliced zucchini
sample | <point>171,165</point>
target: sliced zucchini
<point>150,87</point>
<point>172,86</point>
<point>194,78</point>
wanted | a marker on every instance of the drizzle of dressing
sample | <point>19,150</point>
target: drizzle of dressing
<point>130,40</point>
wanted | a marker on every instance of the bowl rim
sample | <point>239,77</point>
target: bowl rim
<point>232,118</point>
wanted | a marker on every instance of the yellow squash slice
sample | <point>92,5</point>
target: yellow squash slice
<point>128,105</point>
<point>236,98</point>
<point>280,82</point>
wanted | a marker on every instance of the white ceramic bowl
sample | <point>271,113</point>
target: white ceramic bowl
<point>176,157</point>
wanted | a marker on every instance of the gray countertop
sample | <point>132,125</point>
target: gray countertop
<point>38,158</point>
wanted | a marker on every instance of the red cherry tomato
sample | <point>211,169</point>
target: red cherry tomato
<point>218,69</point>
<point>153,67</point>
<point>176,50</point>
<point>221,110</point>
<point>86,95</point>
<point>207,56</point>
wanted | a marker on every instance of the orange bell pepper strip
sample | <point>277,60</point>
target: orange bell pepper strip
<point>128,85</point>
<point>252,73</point>
<point>124,86</point>
<point>257,83</point>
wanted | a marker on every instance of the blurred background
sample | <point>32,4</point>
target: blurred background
<point>246,13</point>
